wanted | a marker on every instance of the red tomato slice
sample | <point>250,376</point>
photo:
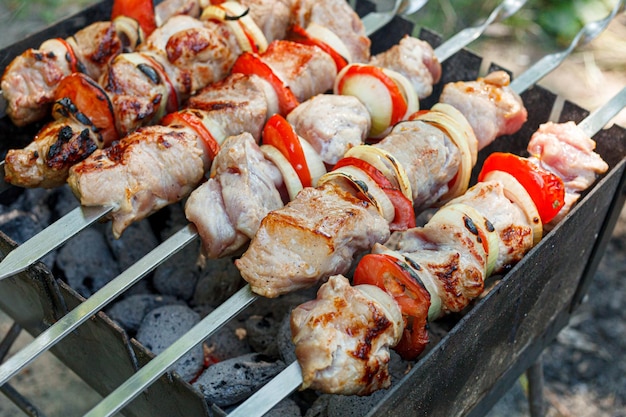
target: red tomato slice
<point>91,101</point>
<point>399,280</point>
<point>194,122</point>
<point>404,213</point>
<point>299,34</point>
<point>140,10</point>
<point>545,188</point>
<point>399,105</point>
<point>279,133</point>
<point>248,63</point>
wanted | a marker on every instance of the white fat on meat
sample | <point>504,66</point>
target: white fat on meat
<point>490,106</point>
<point>313,237</point>
<point>342,338</point>
<point>416,60</point>
<point>151,168</point>
<point>227,210</point>
<point>565,150</point>
<point>332,124</point>
<point>428,156</point>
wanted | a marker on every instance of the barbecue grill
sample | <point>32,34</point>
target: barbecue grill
<point>475,362</point>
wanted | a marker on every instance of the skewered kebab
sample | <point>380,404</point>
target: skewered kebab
<point>240,300</point>
<point>410,272</point>
<point>29,81</point>
<point>141,87</point>
<point>61,328</point>
<point>83,217</point>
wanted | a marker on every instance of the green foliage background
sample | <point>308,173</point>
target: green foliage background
<point>553,22</point>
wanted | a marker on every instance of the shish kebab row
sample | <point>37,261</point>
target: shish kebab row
<point>175,61</point>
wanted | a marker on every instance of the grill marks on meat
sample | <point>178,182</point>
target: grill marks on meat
<point>30,80</point>
<point>230,109</point>
<point>416,60</point>
<point>151,168</point>
<point>489,104</point>
<point>227,210</point>
<point>305,70</point>
<point>240,103</point>
<point>313,237</point>
<point>342,338</point>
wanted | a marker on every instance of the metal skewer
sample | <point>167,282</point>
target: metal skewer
<point>283,384</point>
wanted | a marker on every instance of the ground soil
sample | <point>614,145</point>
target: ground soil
<point>585,367</point>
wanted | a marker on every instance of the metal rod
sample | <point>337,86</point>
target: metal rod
<point>536,402</point>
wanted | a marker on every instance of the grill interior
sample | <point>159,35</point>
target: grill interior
<point>515,321</point>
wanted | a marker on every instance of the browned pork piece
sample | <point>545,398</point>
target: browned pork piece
<point>230,115</point>
<point>229,207</point>
<point>313,237</point>
<point>149,169</point>
<point>343,337</point>
<point>490,106</point>
<point>30,80</point>
<point>416,60</point>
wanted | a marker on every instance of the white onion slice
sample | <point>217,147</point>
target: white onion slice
<point>386,302</point>
<point>385,163</point>
<point>359,179</point>
<point>372,93</point>
<point>329,37</point>
<point>464,125</point>
<point>128,28</point>
<point>290,177</point>
<point>407,90</point>
<point>314,161</point>
<point>447,125</point>
<point>136,59</point>
<point>517,194</point>
<point>488,233</point>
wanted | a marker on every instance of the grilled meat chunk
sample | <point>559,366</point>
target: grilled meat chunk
<point>311,238</point>
<point>239,103</point>
<point>153,166</point>
<point>304,69</point>
<point>332,124</point>
<point>490,106</point>
<point>340,18</point>
<point>343,337</point>
<point>416,60</point>
<point>244,188</point>
<point>273,17</point>
<point>428,156</point>
<point>565,150</point>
